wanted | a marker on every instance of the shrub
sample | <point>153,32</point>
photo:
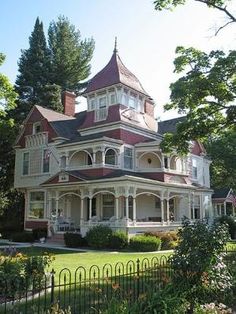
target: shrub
<point>24,236</point>
<point>231,224</point>
<point>99,236</point>
<point>144,243</point>
<point>118,240</point>
<point>74,239</point>
<point>40,233</point>
<point>169,240</point>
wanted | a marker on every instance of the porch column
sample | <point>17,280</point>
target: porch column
<point>189,206</point>
<point>67,160</point>
<point>134,209</point>
<point>94,158</point>
<point>162,210</point>
<point>127,207</point>
<point>103,157</point>
<point>117,208</point>
<point>202,208</point>
<point>168,211</point>
<point>57,203</point>
<point>224,207</point>
<point>81,210</point>
<point>90,208</point>
<point>168,162</point>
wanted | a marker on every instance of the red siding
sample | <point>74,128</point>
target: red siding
<point>56,180</point>
<point>197,149</point>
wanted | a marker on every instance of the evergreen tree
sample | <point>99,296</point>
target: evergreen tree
<point>34,65</point>
<point>70,56</point>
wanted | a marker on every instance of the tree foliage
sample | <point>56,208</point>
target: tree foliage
<point>33,74</point>
<point>205,93</point>
<point>70,55</point>
<point>220,5</point>
<point>223,155</point>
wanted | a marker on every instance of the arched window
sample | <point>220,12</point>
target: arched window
<point>110,157</point>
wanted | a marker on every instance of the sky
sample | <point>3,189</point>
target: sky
<point>146,38</point>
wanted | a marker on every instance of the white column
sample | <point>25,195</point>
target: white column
<point>168,211</point>
<point>90,208</point>
<point>94,158</point>
<point>57,203</point>
<point>67,160</point>
<point>134,209</point>
<point>127,207</point>
<point>81,210</point>
<point>103,157</point>
<point>189,206</point>
<point>168,162</point>
<point>202,207</point>
<point>117,208</point>
<point>162,210</point>
<point>163,161</point>
<point>224,208</point>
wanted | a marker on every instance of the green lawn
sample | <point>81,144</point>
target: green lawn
<point>72,259</point>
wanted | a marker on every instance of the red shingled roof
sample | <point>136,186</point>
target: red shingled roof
<point>114,72</point>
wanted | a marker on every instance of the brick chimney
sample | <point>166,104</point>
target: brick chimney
<point>68,101</point>
<point>149,108</point>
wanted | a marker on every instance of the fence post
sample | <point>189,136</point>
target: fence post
<point>138,274</point>
<point>52,285</point>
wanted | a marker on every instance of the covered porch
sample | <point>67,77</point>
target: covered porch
<point>129,205</point>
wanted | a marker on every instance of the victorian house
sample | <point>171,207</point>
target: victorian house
<point>105,166</point>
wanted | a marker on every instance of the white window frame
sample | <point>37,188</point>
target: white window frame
<point>35,202</point>
<point>194,169</point>
<point>131,157</point>
<point>46,151</point>
<point>35,125</point>
<point>23,163</point>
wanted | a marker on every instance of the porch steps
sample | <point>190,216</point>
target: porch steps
<point>57,239</point>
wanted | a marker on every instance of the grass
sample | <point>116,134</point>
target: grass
<point>72,259</point>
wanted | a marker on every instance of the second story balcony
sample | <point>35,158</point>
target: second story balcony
<point>36,140</point>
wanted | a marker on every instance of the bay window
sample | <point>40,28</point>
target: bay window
<point>36,205</point>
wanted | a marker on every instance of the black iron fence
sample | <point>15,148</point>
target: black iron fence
<point>84,290</point>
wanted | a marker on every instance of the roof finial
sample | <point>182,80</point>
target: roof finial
<point>115,47</point>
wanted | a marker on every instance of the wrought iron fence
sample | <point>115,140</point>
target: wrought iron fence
<point>84,290</point>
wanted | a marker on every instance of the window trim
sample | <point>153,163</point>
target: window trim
<point>43,159</point>
<point>23,164</point>
<point>132,157</point>
<point>35,125</point>
<point>30,202</point>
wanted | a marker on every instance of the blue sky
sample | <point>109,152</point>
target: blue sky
<point>146,38</point>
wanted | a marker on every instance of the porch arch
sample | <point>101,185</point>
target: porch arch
<point>145,160</point>
<point>80,161</point>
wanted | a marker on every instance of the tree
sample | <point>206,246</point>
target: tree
<point>205,93</point>
<point>70,56</point>
<point>220,5</point>
<point>7,102</point>
<point>223,155</point>
<point>34,65</point>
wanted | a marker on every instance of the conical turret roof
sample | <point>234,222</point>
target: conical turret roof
<point>114,72</point>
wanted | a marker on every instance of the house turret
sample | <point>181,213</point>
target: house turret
<point>116,85</point>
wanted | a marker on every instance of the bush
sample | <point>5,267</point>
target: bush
<point>24,236</point>
<point>40,233</point>
<point>99,236</point>
<point>169,240</point>
<point>231,225</point>
<point>118,240</point>
<point>144,243</point>
<point>74,240</point>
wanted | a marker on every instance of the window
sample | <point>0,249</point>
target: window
<point>132,102</point>
<point>92,104</point>
<point>37,128</point>
<point>46,160</point>
<point>194,168</point>
<point>124,99</point>
<point>108,206</point>
<point>110,157</point>
<point>112,99</point>
<point>25,163</point>
<point>128,158</point>
<point>102,102</point>
<point>166,162</point>
<point>36,205</point>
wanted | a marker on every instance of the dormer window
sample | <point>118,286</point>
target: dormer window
<point>112,99</point>
<point>102,102</point>
<point>37,127</point>
<point>92,103</point>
